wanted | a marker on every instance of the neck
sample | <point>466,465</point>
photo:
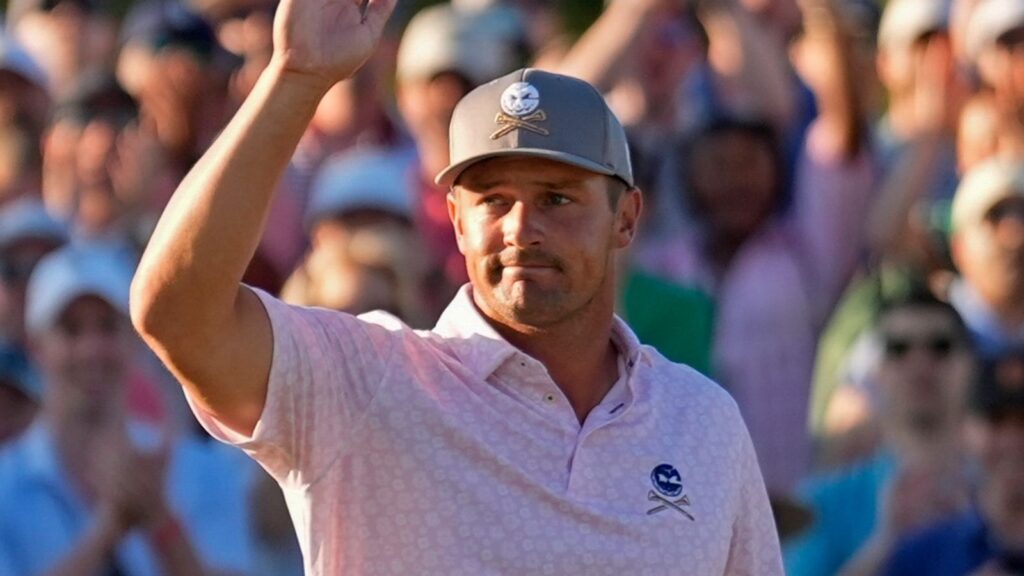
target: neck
<point>75,434</point>
<point>587,373</point>
<point>1010,314</point>
<point>922,446</point>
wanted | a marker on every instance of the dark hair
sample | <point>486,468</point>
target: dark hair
<point>616,188</point>
<point>759,130</point>
<point>97,96</point>
<point>921,297</point>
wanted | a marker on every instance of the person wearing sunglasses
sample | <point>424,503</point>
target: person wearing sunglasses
<point>987,539</point>
<point>918,384</point>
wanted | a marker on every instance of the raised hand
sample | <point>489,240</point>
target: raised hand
<point>328,39</point>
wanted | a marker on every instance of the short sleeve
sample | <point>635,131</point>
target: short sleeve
<point>755,542</point>
<point>326,369</point>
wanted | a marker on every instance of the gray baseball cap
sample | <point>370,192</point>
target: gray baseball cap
<point>540,114</point>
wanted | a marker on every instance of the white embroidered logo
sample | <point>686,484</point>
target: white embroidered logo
<point>520,99</point>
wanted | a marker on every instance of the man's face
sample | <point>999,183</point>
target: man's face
<point>16,264</point>
<point>85,356</point>
<point>539,238</point>
<point>990,254</point>
<point>924,370</point>
<point>998,443</point>
<point>733,182</point>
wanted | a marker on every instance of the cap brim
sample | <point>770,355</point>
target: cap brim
<point>449,175</point>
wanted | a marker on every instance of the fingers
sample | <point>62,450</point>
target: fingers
<point>377,12</point>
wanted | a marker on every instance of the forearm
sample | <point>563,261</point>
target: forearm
<point>870,559</point>
<point>905,185</point>
<point>837,96</point>
<point>174,551</point>
<point>190,273</point>
<point>599,54</point>
<point>749,62</point>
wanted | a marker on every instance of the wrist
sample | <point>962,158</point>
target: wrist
<point>165,532</point>
<point>108,528</point>
<point>310,83</point>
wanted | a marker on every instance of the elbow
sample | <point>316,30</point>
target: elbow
<point>151,308</point>
<point>142,306</point>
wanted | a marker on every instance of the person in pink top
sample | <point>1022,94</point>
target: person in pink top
<point>529,432</point>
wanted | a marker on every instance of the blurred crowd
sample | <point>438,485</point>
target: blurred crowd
<point>833,230</point>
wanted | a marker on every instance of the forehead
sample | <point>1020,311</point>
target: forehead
<point>524,171</point>
<point>916,319</point>
<point>88,306</point>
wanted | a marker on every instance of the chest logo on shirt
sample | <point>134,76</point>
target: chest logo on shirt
<point>668,491</point>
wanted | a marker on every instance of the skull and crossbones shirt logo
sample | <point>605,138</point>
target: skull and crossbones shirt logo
<point>668,491</point>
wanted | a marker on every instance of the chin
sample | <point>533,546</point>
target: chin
<point>530,307</point>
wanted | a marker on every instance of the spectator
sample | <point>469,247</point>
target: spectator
<point>444,52</point>
<point>988,539</point>
<point>918,398</point>
<point>666,69</point>
<point>993,38</point>
<point>27,234</point>
<point>19,392</point>
<point>916,137</point>
<point>100,166</point>
<point>24,111</point>
<point>85,489</point>
<point>364,254</point>
<point>67,38</point>
<point>988,248</point>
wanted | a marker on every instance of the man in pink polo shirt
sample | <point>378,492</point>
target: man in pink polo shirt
<point>528,432</point>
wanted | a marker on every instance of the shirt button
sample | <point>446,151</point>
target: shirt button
<point>549,398</point>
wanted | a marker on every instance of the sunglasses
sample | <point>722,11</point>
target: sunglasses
<point>16,271</point>
<point>938,346</point>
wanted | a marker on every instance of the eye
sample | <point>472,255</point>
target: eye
<point>556,199</point>
<point>492,200</point>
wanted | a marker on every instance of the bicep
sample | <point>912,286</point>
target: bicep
<point>227,373</point>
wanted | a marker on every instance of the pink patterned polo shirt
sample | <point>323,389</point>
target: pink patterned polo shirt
<point>451,452</point>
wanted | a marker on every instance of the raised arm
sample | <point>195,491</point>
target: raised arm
<point>600,53</point>
<point>187,301</point>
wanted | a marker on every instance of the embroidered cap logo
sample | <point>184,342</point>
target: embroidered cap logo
<point>519,111</point>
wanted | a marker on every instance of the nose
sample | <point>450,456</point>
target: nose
<point>521,226</point>
<point>1010,231</point>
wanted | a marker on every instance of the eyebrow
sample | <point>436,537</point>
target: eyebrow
<point>484,185</point>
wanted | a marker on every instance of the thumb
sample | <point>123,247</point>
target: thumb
<point>376,13</point>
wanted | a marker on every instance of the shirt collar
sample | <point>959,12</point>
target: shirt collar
<point>480,347</point>
<point>477,344</point>
<point>989,334</point>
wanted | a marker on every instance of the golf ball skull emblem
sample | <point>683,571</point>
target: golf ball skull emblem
<point>520,99</point>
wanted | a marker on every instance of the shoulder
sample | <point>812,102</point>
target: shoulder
<point>945,544</point>
<point>682,386</point>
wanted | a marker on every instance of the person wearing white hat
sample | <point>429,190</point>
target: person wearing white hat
<point>364,253</point>
<point>445,51</point>
<point>988,249</point>
<point>994,44</point>
<point>88,488</point>
<point>27,234</point>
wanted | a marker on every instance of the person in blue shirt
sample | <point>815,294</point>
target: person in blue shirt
<point>88,490</point>
<point>988,540</point>
<point>918,391</point>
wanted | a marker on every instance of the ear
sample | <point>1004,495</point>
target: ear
<point>956,250</point>
<point>627,216</point>
<point>455,215</point>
